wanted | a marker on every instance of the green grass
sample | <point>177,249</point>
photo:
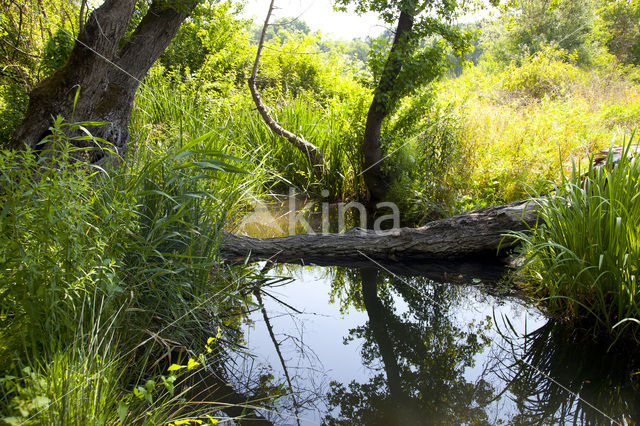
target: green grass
<point>334,125</point>
<point>105,273</point>
<point>521,125</point>
<point>584,259</point>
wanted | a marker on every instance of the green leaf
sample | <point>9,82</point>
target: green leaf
<point>123,410</point>
<point>192,364</point>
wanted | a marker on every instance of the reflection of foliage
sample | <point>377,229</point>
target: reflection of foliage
<point>425,351</point>
<point>345,290</point>
<point>553,355</point>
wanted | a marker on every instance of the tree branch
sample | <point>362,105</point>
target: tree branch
<point>151,37</point>
<point>310,150</point>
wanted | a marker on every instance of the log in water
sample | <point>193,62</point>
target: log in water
<point>475,234</point>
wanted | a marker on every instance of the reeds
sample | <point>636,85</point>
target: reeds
<point>584,258</point>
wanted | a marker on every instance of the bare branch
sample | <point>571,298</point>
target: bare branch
<point>310,150</point>
<point>256,292</point>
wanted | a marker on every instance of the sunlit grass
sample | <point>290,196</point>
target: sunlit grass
<point>513,143</point>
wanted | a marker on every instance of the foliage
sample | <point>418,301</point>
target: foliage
<point>529,25</point>
<point>426,140</point>
<point>13,105</point>
<point>547,73</point>
<point>33,41</point>
<point>584,255</point>
<point>419,64</point>
<point>281,30</point>
<point>104,260</point>
<point>356,50</point>
<point>57,51</point>
<point>618,28</point>
<point>299,65</point>
<point>28,31</point>
<point>210,41</point>
<point>78,383</point>
<point>53,244</point>
<point>335,129</point>
<point>314,94</point>
<point>509,146</point>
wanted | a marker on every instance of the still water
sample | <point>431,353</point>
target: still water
<point>369,346</point>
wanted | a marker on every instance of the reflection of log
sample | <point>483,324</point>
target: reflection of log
<point>476,234</point>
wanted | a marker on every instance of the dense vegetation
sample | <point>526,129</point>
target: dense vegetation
<point>112,294</point>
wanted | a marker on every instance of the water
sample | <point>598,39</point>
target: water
<point>369,346</point>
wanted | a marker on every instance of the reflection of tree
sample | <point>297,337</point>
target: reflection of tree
<point>423,354</point>
<point>557,377</point>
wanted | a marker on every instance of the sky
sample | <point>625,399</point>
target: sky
<point>320,16</point>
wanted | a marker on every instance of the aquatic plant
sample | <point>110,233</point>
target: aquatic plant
<point>583,258</point>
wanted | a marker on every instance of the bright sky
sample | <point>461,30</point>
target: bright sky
<point>320,16</point>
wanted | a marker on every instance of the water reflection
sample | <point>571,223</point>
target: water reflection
<point>423,354</point>
<point>364,346</point>
<point>558,377</point>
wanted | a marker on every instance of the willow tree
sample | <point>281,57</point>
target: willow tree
<point>99,80</point>
<point>425,35</point>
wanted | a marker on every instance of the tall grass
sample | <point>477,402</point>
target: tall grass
<point>104,274</point>
<point>334,125</point>
<point>584,256</point>
<point>522,124</point>
<point>333,128</point>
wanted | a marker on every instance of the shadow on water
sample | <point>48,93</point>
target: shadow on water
<point>423,354</point>
<point>557,377</point>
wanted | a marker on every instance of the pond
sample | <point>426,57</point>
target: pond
<point>375,346</point>
<point>395,344</point>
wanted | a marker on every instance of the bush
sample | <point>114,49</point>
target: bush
<point>545,74</point>
<point>426,140</point>
<point>584,257</point>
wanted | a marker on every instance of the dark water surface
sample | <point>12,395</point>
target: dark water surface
<point>367,346</point>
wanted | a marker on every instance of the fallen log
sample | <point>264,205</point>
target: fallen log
<point>473,235</point>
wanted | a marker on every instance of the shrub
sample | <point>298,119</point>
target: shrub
<point>545,74</point>
<point>425,138</point>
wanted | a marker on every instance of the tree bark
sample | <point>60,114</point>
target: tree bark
<point>380,108</point>
<point>307,148</point>
<point>106,71</point>
<point>477,234</point>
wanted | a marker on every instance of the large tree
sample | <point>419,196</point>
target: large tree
<point>106,66</point>
<point>408,66</point>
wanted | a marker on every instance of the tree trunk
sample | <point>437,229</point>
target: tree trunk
<point>106,71</point>
<point>380,108</point>
<point>474,235</point>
